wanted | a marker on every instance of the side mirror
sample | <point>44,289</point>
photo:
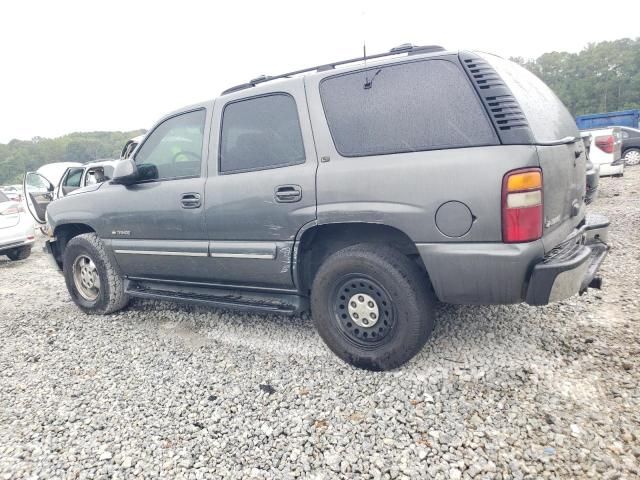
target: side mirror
<point>125,172</point>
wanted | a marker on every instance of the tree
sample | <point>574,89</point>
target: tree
<point>19,156</point>
<point>604,76</point>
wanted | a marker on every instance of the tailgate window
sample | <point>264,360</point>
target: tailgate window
<point>548,118</point>
<point>407,107</point>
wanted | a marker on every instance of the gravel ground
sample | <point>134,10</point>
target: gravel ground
<point>170,391</point>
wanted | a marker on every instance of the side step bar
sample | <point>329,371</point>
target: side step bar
<point>266,302</point>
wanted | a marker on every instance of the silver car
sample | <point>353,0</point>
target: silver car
<point>17,233</point>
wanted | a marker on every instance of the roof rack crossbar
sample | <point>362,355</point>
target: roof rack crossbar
<point>404,48</point>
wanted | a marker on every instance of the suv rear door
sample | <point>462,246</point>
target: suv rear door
<point>261,186</point>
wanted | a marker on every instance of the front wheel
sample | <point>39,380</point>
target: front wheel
<point>632,157</point>
<point>372,306</point>
<point>93,281</point>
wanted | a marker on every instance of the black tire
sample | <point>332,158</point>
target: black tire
<point>390,282</point>
<point>21,253</point>
<point>110,296</point>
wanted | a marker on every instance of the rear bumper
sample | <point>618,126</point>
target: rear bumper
<point>610,169</point>
<point>20,235</point>
<point>593,178</point>
<point>572,266</point>
<point>5,247</point>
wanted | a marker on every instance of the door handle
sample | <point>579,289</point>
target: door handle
<point>190,200</point>
<point>288,193</point>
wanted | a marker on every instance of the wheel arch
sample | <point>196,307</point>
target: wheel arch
<point>63,234</point>
<point>317,242</point>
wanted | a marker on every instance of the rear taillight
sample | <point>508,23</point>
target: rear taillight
<point>522,205</point>
<point>605,143</point>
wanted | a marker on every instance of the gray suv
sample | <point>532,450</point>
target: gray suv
<point>364,193</point>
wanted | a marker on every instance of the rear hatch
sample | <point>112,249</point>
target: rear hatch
<point>560,149</point>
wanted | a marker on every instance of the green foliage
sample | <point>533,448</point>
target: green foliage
<point>19,156</point>
<point>603,77</point>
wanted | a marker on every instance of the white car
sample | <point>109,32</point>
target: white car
<point>17,233</point>
<point>606,150</point>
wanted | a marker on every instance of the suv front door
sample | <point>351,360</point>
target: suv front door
<point>261,185</point>
<point>155,227</point>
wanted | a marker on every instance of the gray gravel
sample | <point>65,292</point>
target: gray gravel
<point>169,391</point>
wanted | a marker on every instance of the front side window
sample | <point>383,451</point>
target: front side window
<point>407,107</point>
<point>73,177</point>
<point>261,132</point>
<point>174,148</point>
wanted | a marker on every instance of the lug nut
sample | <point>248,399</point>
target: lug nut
<point>353,304</point>
<point>370,304</point>
<point>355,315</point>
<point>365,321</point>
<point>373,315</point>
<point>361,298</point>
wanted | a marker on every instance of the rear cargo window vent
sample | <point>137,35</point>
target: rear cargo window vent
<point>501,104</point>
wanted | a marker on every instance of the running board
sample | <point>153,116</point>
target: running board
<point>271,302</point>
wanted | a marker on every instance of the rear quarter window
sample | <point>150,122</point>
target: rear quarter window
<point>547,116</point>
<point>407,107</point>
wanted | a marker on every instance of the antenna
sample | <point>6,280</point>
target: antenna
<point>364,52</point>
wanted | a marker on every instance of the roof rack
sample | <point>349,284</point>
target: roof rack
<point>404,48</point>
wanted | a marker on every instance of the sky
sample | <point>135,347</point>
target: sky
<point>69,66</point>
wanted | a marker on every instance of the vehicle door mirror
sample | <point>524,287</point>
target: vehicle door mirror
<point>147,171</point>
<point>38,193</point>
<point>125,172</point>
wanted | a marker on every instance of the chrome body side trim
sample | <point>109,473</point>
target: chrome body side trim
<point>158,252</point>
<point>241,249</point>
<point>262,256</point>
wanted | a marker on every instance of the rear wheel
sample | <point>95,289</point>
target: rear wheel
<point>93,281</point>
<point>372,306</point>
<point>19,253</point>
<point>632,156</point>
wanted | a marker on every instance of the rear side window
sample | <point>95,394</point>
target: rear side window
<point>261,132</point>
<point>547,116</point>
<point>423,105</point>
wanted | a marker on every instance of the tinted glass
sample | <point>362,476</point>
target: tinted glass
<point>407,107</point>
<point>3,197</point>
<point>73,178</point>
<point>260,133</point>
<point>548,118</point>
<point>174,149</point>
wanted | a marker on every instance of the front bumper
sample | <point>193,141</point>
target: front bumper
<point>52,253</point>
<point>571,266</point>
